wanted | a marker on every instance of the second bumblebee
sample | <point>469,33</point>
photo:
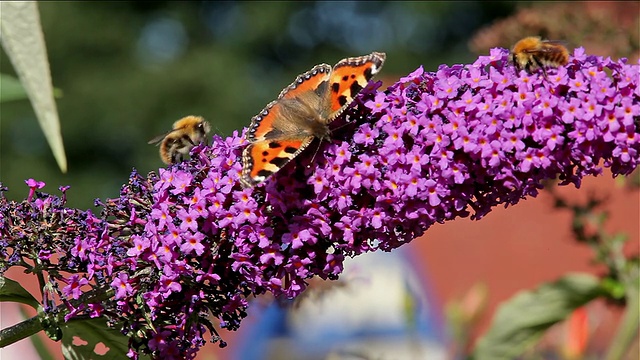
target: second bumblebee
<point>177,143</point>
<point>533,53</point>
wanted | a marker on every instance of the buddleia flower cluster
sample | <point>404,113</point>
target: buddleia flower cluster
<point>181,252</point>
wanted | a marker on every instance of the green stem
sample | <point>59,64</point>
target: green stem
<point>41,281</point>
<point>34,325</point>
<point>20,331</point>
<point>628,328</point>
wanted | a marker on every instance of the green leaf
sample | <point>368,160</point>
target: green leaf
<point>11,89</point>
<point>12,291</point>
<point>522,320</point>
<point>614,288</point>
<point>23,41</point>
<point>93,339</point>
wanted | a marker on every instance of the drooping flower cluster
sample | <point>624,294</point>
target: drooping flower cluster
<point>190,243</point>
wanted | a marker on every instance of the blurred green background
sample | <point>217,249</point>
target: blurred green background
<point>128,70</point>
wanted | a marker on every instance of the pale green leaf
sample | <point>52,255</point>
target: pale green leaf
<point>23,41</point>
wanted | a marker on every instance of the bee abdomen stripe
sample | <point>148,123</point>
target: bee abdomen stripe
<point>186,140</point>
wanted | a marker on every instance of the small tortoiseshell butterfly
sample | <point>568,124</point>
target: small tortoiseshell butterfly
<point>301,113</point>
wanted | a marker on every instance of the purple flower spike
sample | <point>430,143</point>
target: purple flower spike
<point>33,186</point>
<point>433,147</point>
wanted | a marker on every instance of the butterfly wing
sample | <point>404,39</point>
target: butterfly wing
<point>289,124</point>
<point>276,135</point>
<point>270,122</point>
<point>264,158</point>
<point>349,76</point>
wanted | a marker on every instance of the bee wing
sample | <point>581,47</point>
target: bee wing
<point>156,140</point>
<point>555,42</point>
<point>552,46</point>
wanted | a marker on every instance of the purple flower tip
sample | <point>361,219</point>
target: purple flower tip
<point>34,184</point>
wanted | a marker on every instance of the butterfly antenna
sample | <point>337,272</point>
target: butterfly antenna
<point>346,123</point>
<point>322,139</point>
<point>343,125</point>
<point>315,152</point>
